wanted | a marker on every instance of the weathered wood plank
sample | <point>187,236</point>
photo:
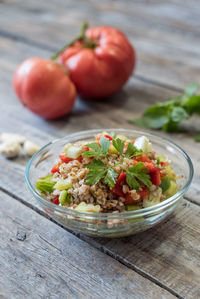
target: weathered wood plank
<point>165,35</point>
<point>38,259</point>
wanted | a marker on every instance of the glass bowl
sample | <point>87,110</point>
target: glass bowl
<point>109,224</point>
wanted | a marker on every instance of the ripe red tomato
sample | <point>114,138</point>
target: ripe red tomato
<point>99,71</point>
<point>44,88</point>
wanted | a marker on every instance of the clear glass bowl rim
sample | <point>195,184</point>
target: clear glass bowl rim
<point>122,215</point>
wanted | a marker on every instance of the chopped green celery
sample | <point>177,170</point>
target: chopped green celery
<point>122,137</point>
<point>152,199</point>
<point>170,173</point>
<point>171,190</point>
<point>73,151</point>
<point>165,184</point>
<point>63,184</point>
<point>64,197</point>
<point>45,184</point>
<point>132,207</point>
<point>160,157</point>
<point>83,207</point>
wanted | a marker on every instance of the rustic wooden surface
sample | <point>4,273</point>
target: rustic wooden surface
<point>160,263</point>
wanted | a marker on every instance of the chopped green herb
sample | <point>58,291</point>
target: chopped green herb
<point>132,151</point>
<point>104,143</point>
<point>110,177</point>
<point>139,172</point>
<point>98,171</point>
<point>96,149</point>
<point>119,145</point>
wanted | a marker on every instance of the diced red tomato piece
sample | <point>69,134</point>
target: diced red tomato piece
<point>56,200</point>
<point>65,159</point>
<point>142,158</point>
<point>155,177</point>
<point>150,166</point>
<point>164,163</point>
<point>117,190</point>
<point>143,193</point>
<point>55,168</point>
<point>109,137</point>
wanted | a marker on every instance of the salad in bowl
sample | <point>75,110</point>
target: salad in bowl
<point>110,183</point>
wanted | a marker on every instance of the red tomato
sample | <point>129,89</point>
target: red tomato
<point>109,137</point>
<point>65,159</point>
<point>55,168</point>
<point>56,200</point>
<point>44,88</point>
<point>142,158</point>
<point>117,190</point>
<point>99,71</point>
<point>155,177</point>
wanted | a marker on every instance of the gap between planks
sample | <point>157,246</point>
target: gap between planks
<point>39,45</point>
<point>96,245</point>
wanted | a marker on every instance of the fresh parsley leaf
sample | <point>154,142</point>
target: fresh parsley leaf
<point>141,173</point>
<point>98,171</point>
<point>178,114</point>
<point>110,177</point>
<point>197,137</point>
<point>104,144</point>
<point>165,184</point>
<point>154,118</point>
<point>96,149</point>
<point>132,151</point>
<point>169,114</point>
<point>131,181</point>
<point>192,104</point>
<point>119,145</point>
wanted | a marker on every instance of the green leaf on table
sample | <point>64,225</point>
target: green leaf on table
<point>192,104</point>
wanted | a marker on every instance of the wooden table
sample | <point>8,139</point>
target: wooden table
<point>40,259</point>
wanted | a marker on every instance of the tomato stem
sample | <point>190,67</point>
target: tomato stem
<point>87,42</point>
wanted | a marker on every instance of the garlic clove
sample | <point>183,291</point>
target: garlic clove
<point>10,150</point>
<point>30,148</point>
<point>12,138</point>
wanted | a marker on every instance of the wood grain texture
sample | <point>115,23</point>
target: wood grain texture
<point>51,263</point>
<point>166,38</point>
<point>165,35</point>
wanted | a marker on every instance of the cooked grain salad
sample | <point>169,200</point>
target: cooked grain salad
<point>111,173</point>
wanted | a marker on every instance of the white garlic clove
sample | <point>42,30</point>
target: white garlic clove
<point>12,138</point>
<point>30,148</point>
<point>10,150</point>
